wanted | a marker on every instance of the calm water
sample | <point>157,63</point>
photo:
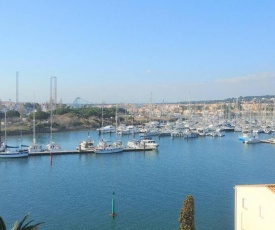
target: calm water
<point>75,192</point>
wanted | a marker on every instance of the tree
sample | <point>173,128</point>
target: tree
<point>41,115</point>
<point>20,225</point>
<point>187,214</point>
<point>13,113</point>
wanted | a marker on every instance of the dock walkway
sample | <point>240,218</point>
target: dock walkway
<point>69,152</point>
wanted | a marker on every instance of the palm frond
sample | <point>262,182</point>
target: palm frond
<point>26,226</point>
<point>2,224</point>
<point>23,220</point>
<point>33,227</point>
<point>15,226</point>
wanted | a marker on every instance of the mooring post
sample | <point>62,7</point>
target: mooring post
<point>113,213</point>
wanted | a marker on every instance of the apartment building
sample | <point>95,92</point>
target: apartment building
<point>255,207</point>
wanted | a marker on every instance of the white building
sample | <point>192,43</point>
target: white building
<point>255,207</point>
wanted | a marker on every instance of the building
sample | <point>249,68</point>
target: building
<point>255,207</point>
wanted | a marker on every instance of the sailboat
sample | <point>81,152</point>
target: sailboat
<point>34,147</point>
<point>253,137</point>
<point>134,144</point>
<point>105,146</point>
<point>18,153</point>
<point>52,146</point>
<point>2,144</point>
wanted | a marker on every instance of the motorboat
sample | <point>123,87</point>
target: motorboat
<point>109,147</point>
<point>107,129</point>
<point>86,145</point>
<point>244,136</point>
<point>252,140</point>
<point>148,142</point>
<point>217,134</point>
<point>190,134</point>
<point>201,131</point>
<point>134,144</point>
<point>34,148</point>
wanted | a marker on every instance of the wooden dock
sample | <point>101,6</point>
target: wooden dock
<point>70,152</point>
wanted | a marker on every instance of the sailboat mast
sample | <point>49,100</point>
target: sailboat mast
<point>5,127</point>
<point>116,121</point>
<point>34,141</point>
<point>102,115</point>
<point>51,104</point>
<point>101,130</point>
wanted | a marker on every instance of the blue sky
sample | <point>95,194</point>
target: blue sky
<point>122,51</point>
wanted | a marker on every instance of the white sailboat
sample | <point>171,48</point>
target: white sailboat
<point>52,147</point>
<point>34,147</point>
<point>134,144</point>
<point>2,144</point>
<point>253,136</point>
<point>107,146</point>
<point>18,153</point>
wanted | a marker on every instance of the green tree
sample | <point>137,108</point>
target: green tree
<point>63,110</point>
<point>187,214</point>
<point>13,113</point>
<point>20,225</point>
<point>41,115</point>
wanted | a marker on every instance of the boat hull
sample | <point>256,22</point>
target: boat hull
<point>107,150</point>
<point>14,155</point>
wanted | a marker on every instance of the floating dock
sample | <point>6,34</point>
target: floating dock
<point>70,152</point>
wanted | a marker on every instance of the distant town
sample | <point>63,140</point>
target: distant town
<point>71,116</point>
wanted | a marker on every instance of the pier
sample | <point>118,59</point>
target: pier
<point>70,152</point>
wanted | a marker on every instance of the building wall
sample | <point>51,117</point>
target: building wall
<point>254,208</point>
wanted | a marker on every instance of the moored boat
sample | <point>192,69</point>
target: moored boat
<point>107,129</point>
<point>53,147</point>
<point>14,154</point>
<point>148,142</point>
<point>252,140</point>
<point>109,147</point>
<point>34,147</point>
<point>86,145</point>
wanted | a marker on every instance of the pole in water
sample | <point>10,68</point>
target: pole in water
<point>51,158</point>
<point>113,213</point>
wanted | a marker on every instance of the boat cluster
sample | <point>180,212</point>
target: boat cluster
<point>203,126</point>
<point>105,146</point>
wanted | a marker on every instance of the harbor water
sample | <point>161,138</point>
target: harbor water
<point>75,191</point>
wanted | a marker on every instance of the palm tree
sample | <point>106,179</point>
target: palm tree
<point>21,225</point>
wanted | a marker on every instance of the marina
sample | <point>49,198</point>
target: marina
<point>150,167</point>
<point>79,185</point>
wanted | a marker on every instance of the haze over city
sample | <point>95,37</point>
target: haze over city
<point>122,51</point>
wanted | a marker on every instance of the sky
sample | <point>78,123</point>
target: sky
<point>137,51</point>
